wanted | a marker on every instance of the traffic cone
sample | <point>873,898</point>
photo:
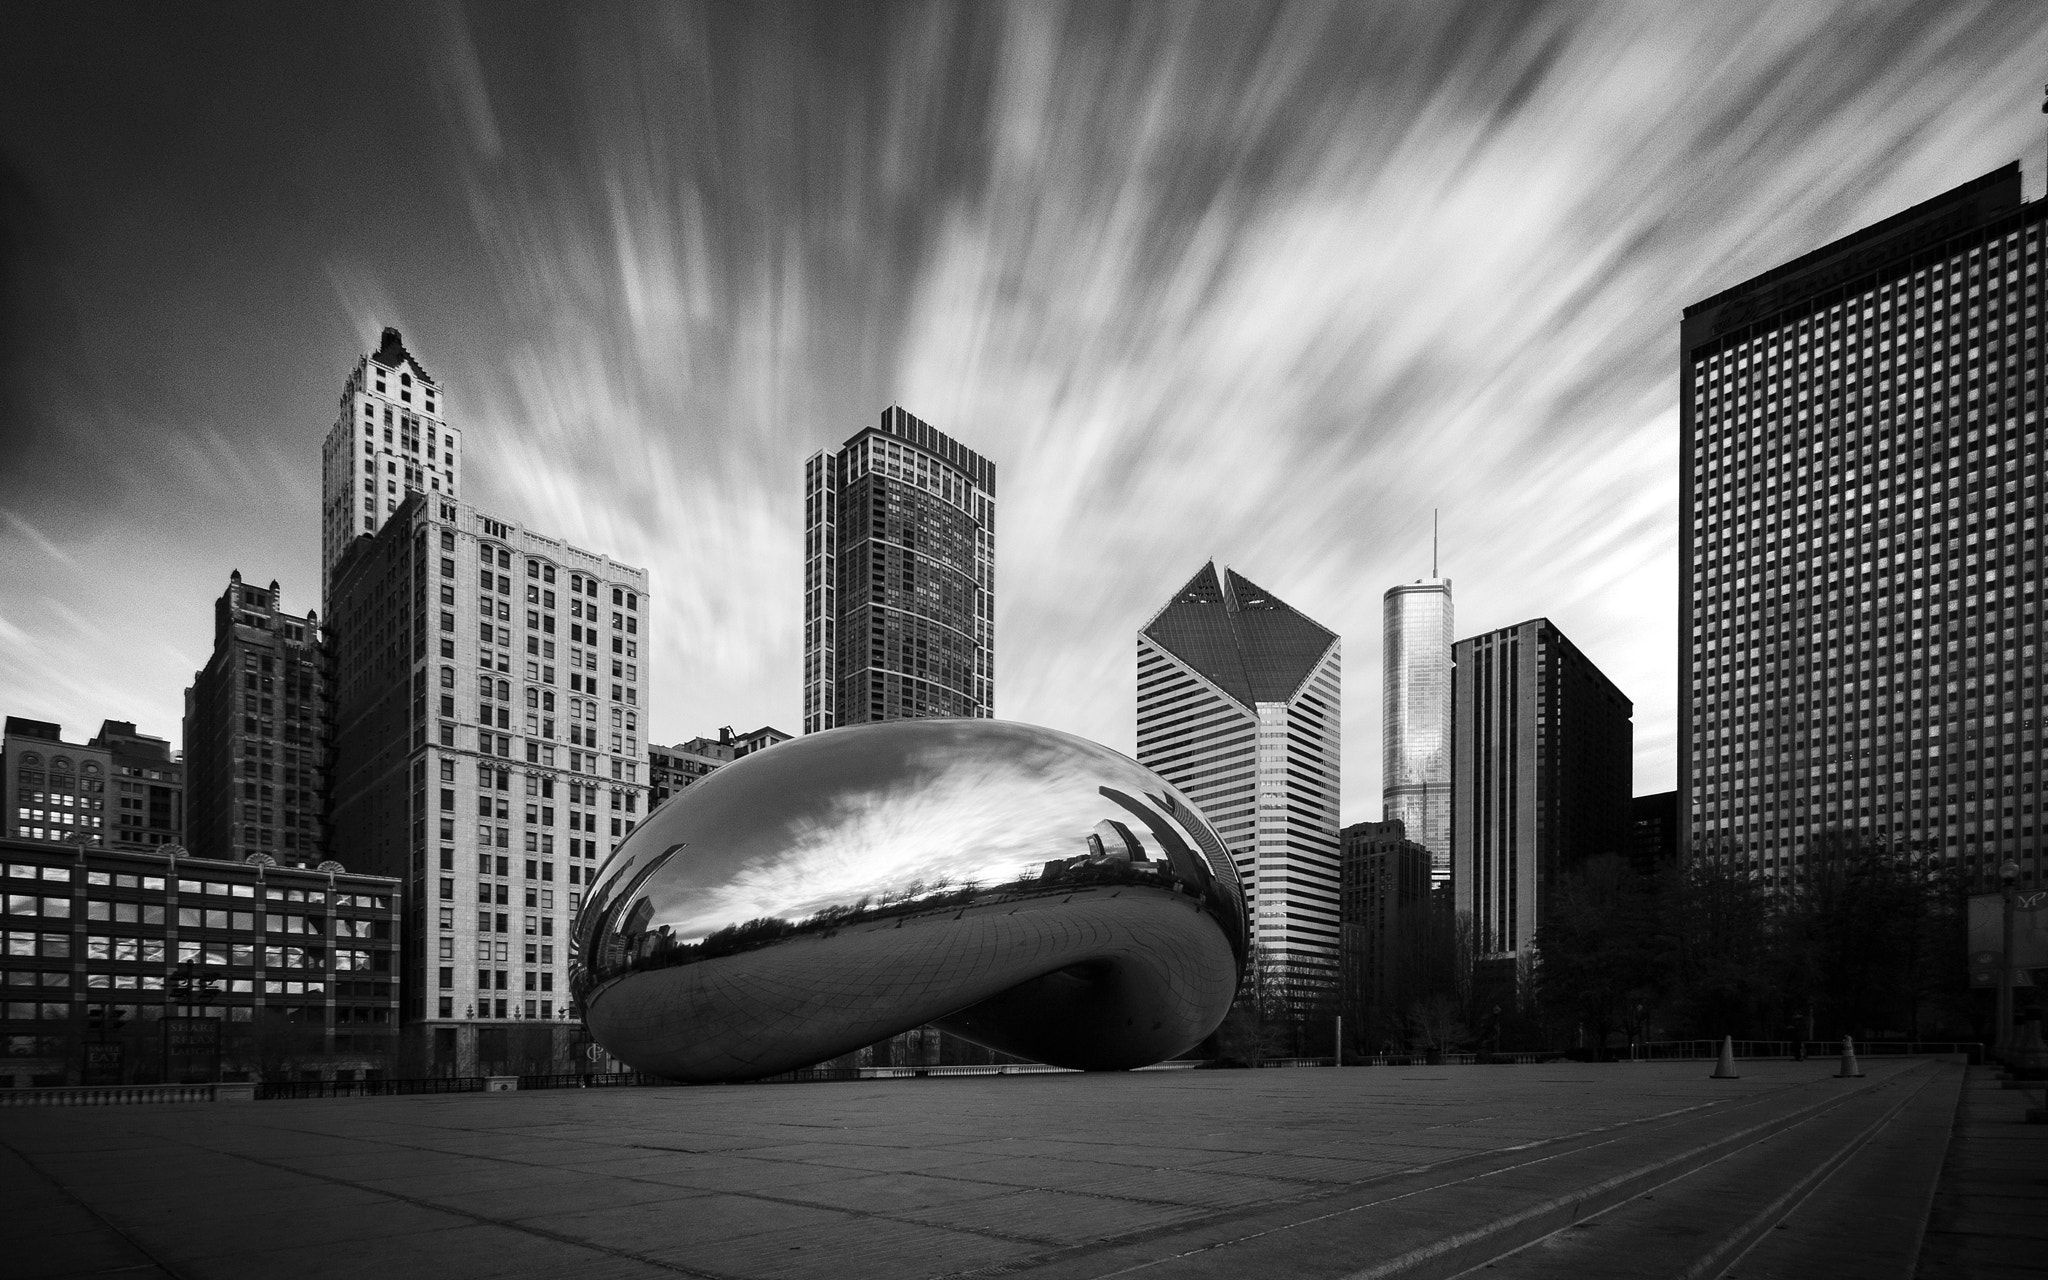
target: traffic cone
<point>1849,1071</point>
<point>1725,1068</point>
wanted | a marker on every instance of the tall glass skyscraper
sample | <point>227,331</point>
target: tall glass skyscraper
<point>899,578</point>
<point>1862,515</point>
<point>1239,705</point>
<point>1416,752</point>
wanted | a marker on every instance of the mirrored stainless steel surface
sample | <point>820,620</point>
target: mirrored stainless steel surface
<point>1025,888</point>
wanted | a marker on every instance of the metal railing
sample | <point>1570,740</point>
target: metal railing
<point>106,1095</point>
<point>279,1090</point>
<point>593,1080</point>
<point>1660,1050</point>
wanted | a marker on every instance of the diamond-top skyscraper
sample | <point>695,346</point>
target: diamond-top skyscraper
<point>1240,706</point>
<point>899,578</point>
<point>1860,544</point>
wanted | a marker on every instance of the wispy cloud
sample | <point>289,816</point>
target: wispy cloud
<point>1265,283</point>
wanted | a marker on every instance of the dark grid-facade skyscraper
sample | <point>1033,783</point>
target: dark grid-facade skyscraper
<point>1543,747</point>
<point>899,578</point>
<point>1861,541</point>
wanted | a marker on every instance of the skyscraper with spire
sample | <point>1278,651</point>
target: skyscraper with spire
<point>1415,760</point>
<point>1240,706</point>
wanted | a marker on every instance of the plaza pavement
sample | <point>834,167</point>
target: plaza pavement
<point>1568,1170</point>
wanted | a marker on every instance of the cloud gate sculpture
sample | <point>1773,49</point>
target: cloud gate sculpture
<point>1023,888</point>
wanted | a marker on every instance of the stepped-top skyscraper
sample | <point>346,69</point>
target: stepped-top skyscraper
<point>899,578</point>
<point>1860,544</point>
<point>390,437</point>
<point>1416,750</point>
<point>1240,706</point>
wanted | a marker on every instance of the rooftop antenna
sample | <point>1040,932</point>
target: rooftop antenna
<point>1432,523</point>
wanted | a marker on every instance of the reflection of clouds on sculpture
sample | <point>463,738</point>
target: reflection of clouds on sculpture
<point>960,819</point>
<point>1027,889</point>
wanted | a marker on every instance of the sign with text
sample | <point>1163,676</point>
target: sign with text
<point>191,1050</point>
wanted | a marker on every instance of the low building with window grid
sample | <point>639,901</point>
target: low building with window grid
<point>670,769</point>
<point>1860,545</point>
<point>123,788</point>
<point>291,970</point>
<point>490,699</point>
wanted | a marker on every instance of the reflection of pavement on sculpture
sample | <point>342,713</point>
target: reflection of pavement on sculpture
<point>1027,889</point>
<point>1146,989</point>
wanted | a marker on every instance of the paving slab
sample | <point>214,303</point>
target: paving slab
<point>1310,1172</point>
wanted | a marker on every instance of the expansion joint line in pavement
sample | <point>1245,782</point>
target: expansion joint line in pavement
<point>1467,1251</point>
<point>1729,1253</point>
<point>1553,1148</point>
<point>1447,1257</point>
<point>93,1213</point>
<point>483,1219</point>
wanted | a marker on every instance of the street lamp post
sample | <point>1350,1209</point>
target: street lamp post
<point>2008,880</point>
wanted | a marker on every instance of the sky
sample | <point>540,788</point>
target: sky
<point>1261,284</point>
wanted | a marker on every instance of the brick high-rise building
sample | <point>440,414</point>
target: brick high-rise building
<point>1240,706</point>
<point>490,688</point>
<point>899,578</point>
<point>1862,518</point>
<point>258,724</point>
<point>1540,779</point>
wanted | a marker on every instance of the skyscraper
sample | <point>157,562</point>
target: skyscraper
<point>1240,706</point>
<point>489,689</point>
<point>1416,756</point>
<point>1862,512</point>
<point>899,578</point>
<point>258,726</point>
<point>1541,775</point>
<point>390,437</point>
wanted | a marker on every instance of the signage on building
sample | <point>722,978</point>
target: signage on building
<point>191,1050</point>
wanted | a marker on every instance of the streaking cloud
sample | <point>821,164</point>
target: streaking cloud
<point>1268,283</point>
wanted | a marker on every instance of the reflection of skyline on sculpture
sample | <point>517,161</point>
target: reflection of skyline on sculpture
<point>908,814</point>
<point>1024,888</point>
